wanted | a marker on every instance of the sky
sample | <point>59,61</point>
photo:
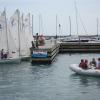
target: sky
<point>87,13</point>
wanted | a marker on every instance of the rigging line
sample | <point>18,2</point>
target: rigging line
<point>83,24</point>
<point>80,19</point>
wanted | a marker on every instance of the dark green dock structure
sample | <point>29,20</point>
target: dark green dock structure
<point>80,47</point>
<point>45,54</point>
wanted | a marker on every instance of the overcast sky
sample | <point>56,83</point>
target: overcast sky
<point>88,11</point>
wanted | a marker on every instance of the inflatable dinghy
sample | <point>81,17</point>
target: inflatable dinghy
<point>90,71</point>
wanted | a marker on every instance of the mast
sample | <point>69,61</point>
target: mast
<point>6,30</point>
<point>70,24</point>
<point>32,24</point>
<point>59,29</point>
<point>56,26</point>
<point>22,22</point>
<point>42,25</point>
<point>18,30</point>
<point>39,23</point>
<point>97,25</point>
<point>76,17</point>
<point>29,23</point>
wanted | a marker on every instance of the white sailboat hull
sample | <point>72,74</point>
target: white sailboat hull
<point>10,60</point>
<point>25,58</point>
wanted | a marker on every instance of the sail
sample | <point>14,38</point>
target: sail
<point>28,29</point>
<point>3,35</point>
<point>24,49</point>
<point>14,28</point>
<point>12,45</point>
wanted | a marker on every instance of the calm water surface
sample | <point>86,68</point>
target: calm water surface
<point>48,82</point>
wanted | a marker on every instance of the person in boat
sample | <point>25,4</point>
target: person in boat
<point>98,65</point>
<point>85,66</point>
<point>5,55</point>
<point>93,63</point>
<point>81,63</point>
<point>2,53</point>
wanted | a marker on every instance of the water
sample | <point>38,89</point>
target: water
<point>48,82</point>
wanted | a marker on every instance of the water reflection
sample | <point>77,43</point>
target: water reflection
<point>86,81</point>
<point>41,71</point>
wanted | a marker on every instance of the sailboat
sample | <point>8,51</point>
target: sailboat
<point>26,35</point>
<point>7,45</point>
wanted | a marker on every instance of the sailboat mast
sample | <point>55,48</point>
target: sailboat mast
<point>70,24</point>
<point>97,25</point>
<point>76,17</point>
<point>32,24</point>
<point>39,23</point>
<point>19,30</point>
<point>59,29</point>
<point>56,26</point>
<point>29,24</point>
<point>6,30</point>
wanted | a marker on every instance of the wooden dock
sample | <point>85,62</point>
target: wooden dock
<point>50,48</point>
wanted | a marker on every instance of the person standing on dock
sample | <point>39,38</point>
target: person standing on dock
<point>37,38</point>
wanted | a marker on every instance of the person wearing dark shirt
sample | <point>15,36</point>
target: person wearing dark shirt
<point>85,66</point>
<point>81,63</point>
<point>2,53</point>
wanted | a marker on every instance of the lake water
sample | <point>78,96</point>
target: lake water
<point>48,82</point>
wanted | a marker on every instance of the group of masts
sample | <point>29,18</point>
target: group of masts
<point>77,26</point>
<point>20,24</point>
